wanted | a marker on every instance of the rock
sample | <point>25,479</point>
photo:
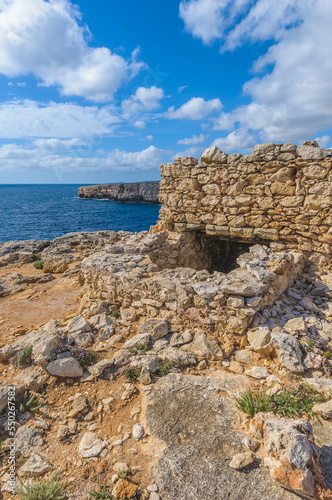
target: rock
<point>146,192</point>
<point>181,338</point>
<point>260,340</point>
<point>206,290</point>
<point>310,153</point>
<point>288,350</point>
<point>4,389</point>
<point>55,266</point>
<point>247,357</point>
<point>138,432</point>
<point>28,441</point>
<point>258,372</point>
<point>35,466</point>
<point>157,328</point>
<point>154,496</point>
<point>324,409</point>
<point>296,326</point>
<point>124,489</point>
<point>91,445</point>
<point>213,155</point>
<point>97,369</point>
<point>321,385</point>
<point>182,357</point>
<point>242,460</point>
<point>33,378</point>
<point>293,458</point>
<point>65,431</point>
<point>79,325</point>
<point>263,149</point>
<point>120,466</point>
<point>205,346</point>
<point>79,405</point>
<point>141,338</point>
<point>145,377</point>
<point>68,367</point>
<point>197,428</point>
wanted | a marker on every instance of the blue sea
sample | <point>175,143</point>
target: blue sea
<point>43,212</point>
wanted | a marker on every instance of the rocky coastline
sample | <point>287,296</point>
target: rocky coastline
<point>134,192</point>
<point>188,361</point>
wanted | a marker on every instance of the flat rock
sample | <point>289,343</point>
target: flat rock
<point>98,368</point>
<point>28,441</point>
<point>197,427</point>
<point>33,378</point>
<point>324,409</point>
<point>35,466</point>
<point>157,328</point>
<point>205,346</point>
<point>79,325</point>
<point>258,372</point>
<point>141,338</point>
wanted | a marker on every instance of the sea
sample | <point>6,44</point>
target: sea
<point>43,212</point>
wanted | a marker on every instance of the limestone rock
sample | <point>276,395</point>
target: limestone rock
<point>4,388</point>
<point>324,409</point>
<point>260,340</point>
<point>247,357</point>
<point>293,458</point>
<point>145,376</point>
<point>55,266</point>
<point>141,338</point>
<point>68,367</point>
<point>33,378</point>
<point>138,432</point>
<point>91,445</point>
<point>28,441</point>
<point>97,369</point>
<point>124,489</point>
<point>79,325</point>
<point>321,385</point>
<point>258,372</point>
<point>205,346</point>
<point>242,460</point>
<point>288,350</point>
<point>213,155</point>
<point>35,466</point>
<point>178,339</point>
<point>157,328</point>
<point>79,404</point>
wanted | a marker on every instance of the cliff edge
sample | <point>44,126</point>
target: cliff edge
<point>147,192</point>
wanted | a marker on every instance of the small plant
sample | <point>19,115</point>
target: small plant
<point>132,374</point>
<point>124,473</point>
<point>164,369</point>
<point>25,356</point>
<point>103,493</point>
<point>288,403</point>
<point>327,355</point>
<point>83,356</point>
<point>139,347</point>
<point>51,488</point>
<point>114,313</point>
<point>39,264</point>
<point>30,401</point>
<point>311,343</point>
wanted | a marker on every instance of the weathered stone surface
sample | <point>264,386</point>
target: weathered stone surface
<point>33,378</point>
<point>242,460</point>
<point>35,466</point>
<point>67,367</point>
<point>79,404</point>
<point>260,340</point>
<point>288,350</point>
<point>55,266</point>
<point>321,385</point>
<point>198,423</point>
<point>4,388</point>
<point>157,328</point>
<point>28,441</point>
<point>324,409</point>
<point>91,445</point>
<point>146,192</point>
<point>98,368</point>
<point>124,489</point>
<point>258,372</point>
<point>79,325</point>
<point>141,338</point>
<point>205,346</point>
<point>213,155</point>
<point>293,458</point>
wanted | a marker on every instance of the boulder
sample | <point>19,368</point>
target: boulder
<point>213,155</point>
<point>68,367</point>
<point>260,340</point>
<point>288,351</point>
<point>258,372</point>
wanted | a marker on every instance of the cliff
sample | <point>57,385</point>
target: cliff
<point>147,192</point>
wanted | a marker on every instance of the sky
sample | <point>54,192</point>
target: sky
<point>104,91</point>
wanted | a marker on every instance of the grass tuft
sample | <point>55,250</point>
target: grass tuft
<point>114,313</point>
<point>30,401</point>
<point>39,264</point>
<point>51,488</point>
<point>289,403</point>
<point>132,374</point>
<point>164,369</point>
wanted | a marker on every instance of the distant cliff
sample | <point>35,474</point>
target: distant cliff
<point>146,192</point>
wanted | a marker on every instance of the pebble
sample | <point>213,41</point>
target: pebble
<point>138,432</point>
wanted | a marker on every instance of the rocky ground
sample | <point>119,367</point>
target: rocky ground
<point>142,397</point>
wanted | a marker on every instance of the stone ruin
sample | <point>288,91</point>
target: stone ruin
<point>234,233</point>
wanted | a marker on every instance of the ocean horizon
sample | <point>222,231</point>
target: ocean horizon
<point>46,211</point>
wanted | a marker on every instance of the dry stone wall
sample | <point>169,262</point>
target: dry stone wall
<point>280,194</point>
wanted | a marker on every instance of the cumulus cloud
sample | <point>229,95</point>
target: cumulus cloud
<point>144,99</point>
<point>195,139</point>
<point>25,118</point>
<point>43,156</point>
<point>194,151</point>
<point>238,140</point>
<point>194,109</point>
<point>291,95</point>
<point>44,38</point>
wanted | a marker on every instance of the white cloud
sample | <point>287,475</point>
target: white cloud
<point>44,38</point>
<point>139,124</point>
<point>194,151</point>
<point>182,88</point>
<point>144,99</point>
<point>58,144</point>
<point>24,118</point>
<point>291,100</point>
<point>149,137</point>
<point>41,156</point>
<point>323,141</point>
<point>209,19</point>
<point>195,139</point>
<point>239,140</point>
<point>195,109</point>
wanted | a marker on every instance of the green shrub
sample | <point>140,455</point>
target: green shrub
<point>327,355</point>
<point>51,488</point>
<point>124,473</point>
<point>139,347</point>
<point>39,264</point>
<point>132,374</point>
<point>25,356</point>
<point>164,369</point>
<point>289,403</point>
<point>114,313</point>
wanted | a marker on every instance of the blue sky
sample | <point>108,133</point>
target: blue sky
<point>94,92</point>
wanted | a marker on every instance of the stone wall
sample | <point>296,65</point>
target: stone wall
<point>279,194</point>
